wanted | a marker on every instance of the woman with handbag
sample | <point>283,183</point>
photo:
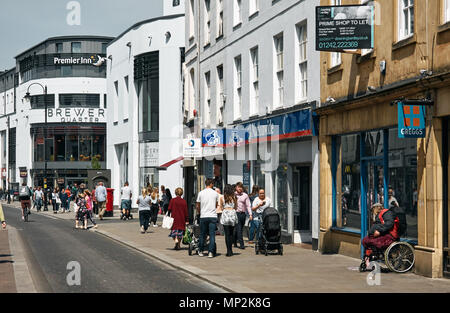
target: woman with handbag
<point>229,217</point>
<point>154,198</point>
<point>179,212</point>
<point>56,202</point>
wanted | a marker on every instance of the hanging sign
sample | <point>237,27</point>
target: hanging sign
<point>411,121</point>
<point>344,27</point>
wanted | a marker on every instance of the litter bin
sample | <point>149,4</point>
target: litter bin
<point>109,202</point>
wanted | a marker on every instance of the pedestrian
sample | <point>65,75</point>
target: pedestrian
<point>2,217</point>
<point>220,229</point>
<point>125,201</point>
<point>100,197</point>
<point>89,205</point>
<point>392,200</point>
<point>74,192</point>
<point>37,197</point>
<point>179,212</point>
<point>94,201</point>
<point>64,200</point>
<point>261,203</point>
<point>47,198</point>
<point>248,224</point>
<point>144,207</point>
<point>207,200</point>
<point>166,197</point>
<point>69,195</point>
<point>55,200</point>
<point>243,206</point>
<point>33,197</point>
<point>229,217</point>
<point>154,206</point>
<point>82,211</point>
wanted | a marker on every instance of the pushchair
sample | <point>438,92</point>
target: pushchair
<point>269,233</point>
<point>195,232</point>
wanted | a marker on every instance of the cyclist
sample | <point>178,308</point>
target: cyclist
<point>25,194</point>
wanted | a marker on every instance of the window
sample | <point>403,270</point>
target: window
<point>362,162</point>
<point>59,47</point>
<point>365,51</point>
<point>104,47</point>
<point>207,110</point>
<point>79,100</point>
<point>253,7</point>
<point>191,93</point>
<point>447,11</point>
<point>302,61</point>
<point>405,19</point>
<point>38,102</point>
<point>238,87</point>
<point>220,18</point>
<point>175,3</point>
<point>237,10</point>
<point>220,95</point>
<point>191,19</point>
<point>336,57</point>
<point>104,101</point>
<point>76,47</point>
<point>279,70</point>
<point>254,81</point>
<point>66,70</point>
<point>207,22</point>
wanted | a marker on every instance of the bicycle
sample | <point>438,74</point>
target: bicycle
<point>26,210</point>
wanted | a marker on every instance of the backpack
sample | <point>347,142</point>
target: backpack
<point>24,192</point>
<point>400,213</point>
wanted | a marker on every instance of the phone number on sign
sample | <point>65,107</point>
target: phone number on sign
<point>338,44</point>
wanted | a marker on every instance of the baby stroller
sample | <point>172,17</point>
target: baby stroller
<point>195,232</point>
<point>269,233</point>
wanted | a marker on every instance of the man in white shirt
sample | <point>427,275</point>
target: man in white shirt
<point>206,206</point>
<point>125,201</point>
<point>38,196</point>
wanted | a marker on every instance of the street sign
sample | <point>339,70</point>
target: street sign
<point>344,27</point>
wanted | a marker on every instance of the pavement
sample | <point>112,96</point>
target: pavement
<point>298,270</point>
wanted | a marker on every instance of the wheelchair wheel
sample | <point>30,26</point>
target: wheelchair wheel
<point>399,257</point>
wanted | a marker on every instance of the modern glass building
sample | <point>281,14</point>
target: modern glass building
<point>54,112</point>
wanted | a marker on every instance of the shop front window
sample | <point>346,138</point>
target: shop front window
<point>60,147</point>
<point>348,182</point>
<point>72,148</point>
<point>98,147</point>
<point>351,168</point>
<point>403,178</point>
<point>85,148</point>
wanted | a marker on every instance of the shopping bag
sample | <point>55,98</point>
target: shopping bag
<point>187,238</point>
<point>167,222</point>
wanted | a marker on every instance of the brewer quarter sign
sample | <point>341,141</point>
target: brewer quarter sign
<point>76,115</point>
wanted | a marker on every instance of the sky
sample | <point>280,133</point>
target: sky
<point>25,23</point>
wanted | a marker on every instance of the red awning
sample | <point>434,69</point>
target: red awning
<point>172,162</point>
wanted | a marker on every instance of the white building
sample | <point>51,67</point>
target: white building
<point>72,71</point>
<point>252,64</point>
<point>145,91</point>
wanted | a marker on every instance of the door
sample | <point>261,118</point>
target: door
<point>301,198</point>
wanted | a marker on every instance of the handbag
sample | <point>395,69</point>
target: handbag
<point>229,218</point>
<point>167,222</point>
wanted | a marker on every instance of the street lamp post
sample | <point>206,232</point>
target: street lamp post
<point>28,97</point>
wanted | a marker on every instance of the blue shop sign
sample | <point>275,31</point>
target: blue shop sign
<point>411,121</point>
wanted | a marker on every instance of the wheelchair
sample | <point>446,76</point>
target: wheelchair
<point>398,257</point>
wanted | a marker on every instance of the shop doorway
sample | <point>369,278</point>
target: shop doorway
<point>301,202</point>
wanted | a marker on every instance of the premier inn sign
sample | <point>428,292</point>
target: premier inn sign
<point>96,61</point>
<point>76,115</point>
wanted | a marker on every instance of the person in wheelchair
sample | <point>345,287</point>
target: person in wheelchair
<point>384,231</point>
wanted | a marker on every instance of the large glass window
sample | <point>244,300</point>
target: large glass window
<point>351,168</point>
<point>60,147</point>
<point>348,182</point>
<point>72,148</point>
<point>79,100</point>
<point>76,47</point>
<point>403,178</point>
<point>85,148</point>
